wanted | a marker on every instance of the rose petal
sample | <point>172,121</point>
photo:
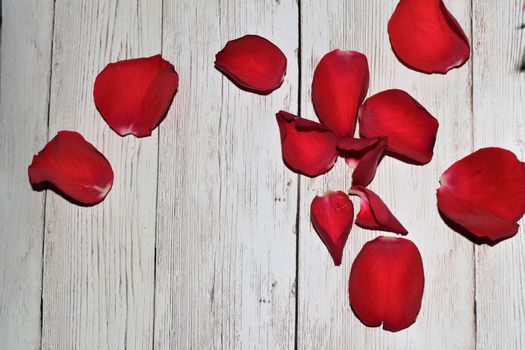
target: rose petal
<point>363,155</point>
<point>134,95</point>
<point>339,86</point>
<point>410,129</point>
<point>386,283</point>
<point>426,37</point>
<point>253,63</point>
<point>74,166</point>
<point>484,193</point>
<point>373,212</point>
<point>332,216</point>
<point>308,148</point>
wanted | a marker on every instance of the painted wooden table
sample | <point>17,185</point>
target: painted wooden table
<point>205,240</point>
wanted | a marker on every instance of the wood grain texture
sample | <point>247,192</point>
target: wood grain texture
<point>227,205</point>
<point>446,319</point>
<point>499,95</point>
<point>24,97</point>
<point>99,261</point>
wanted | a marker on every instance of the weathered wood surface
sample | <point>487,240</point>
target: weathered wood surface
<point>24,98</point>
<point>499,99</point>
<point>205,239</point>
<point>227,205</point>
<point>99,261</point>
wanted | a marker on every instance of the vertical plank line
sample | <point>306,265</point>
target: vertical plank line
<point>157,192</point>
<point>472,126</point>
<point>298,210</point>
<point>50,82</point>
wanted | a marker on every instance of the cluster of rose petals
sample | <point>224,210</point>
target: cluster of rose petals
<point>484,193</point>
<point>426,37</point>
<point>390,123</point>
<point>133,97</point>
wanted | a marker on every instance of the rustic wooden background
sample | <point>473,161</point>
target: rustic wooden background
<point>205,241</point>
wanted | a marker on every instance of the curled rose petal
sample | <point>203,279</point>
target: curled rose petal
<point>386,283</point>
<point>339,86</point>
<point>308,148</point>
<point>253,63</point>
<point>363,155</point>
<point>484,193</point>
<point>332,216</point>
<point>74,166</point>
<point>410,129</point>
<point>134,95</point>
<point>426,37</point>
<point>373,212</point>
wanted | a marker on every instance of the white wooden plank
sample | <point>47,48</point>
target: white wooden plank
<point>499,95</point>
<point>24,95</point>
<point>99,261</point>
<point>227,206</point>
<point>446,319</point>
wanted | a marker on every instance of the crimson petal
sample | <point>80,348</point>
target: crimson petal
<point>253,63</point>
<point>134,95</point>
<point>410,129</point>
<point>332,216</point>
<point>339,86</point>
<point>386,283</point>
<point>363,155</point>
<point>308,148</point>
<point>74,166</point>
<point>426,37</point>
<point>484,193</point>
<point>373,212</point>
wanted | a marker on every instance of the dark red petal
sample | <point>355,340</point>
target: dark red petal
<point>426,37</point>
<point>363,155</point>
<point>373,212</point>
<point>253,63</point>
<point>410,129</point>
<point>332,216</point>
<point>339,86</point>
<point>484,193</point>
<point>134,95</point>
<point>386,283</point>
<point>308,147</point>
<point>74,167</point>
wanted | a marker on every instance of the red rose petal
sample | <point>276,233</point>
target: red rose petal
<point>332,216</point>
<point>386,283</point>
<point>410,129</point>
<point>74,166</point>
<point>308,147</point>
<point>484,193</point>
<point>363,155</point>
<point>374,214</point>
<point>134,95</point>
<point>252,62</point>
<point>339,86</point>
<point>426,37</point>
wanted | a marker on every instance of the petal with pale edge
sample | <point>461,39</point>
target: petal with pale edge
<point>363,155</point>
<point>332,216</point>
<point>253,63</point>
<point>134,95</point>
<point>386,283</point>
<point>308,148</point>
<point>426,37</point>
<point>373,212</point>
<point>74,166</point>
<point>410,129</point>
<point>484,193</point>
<point>339,86</point>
